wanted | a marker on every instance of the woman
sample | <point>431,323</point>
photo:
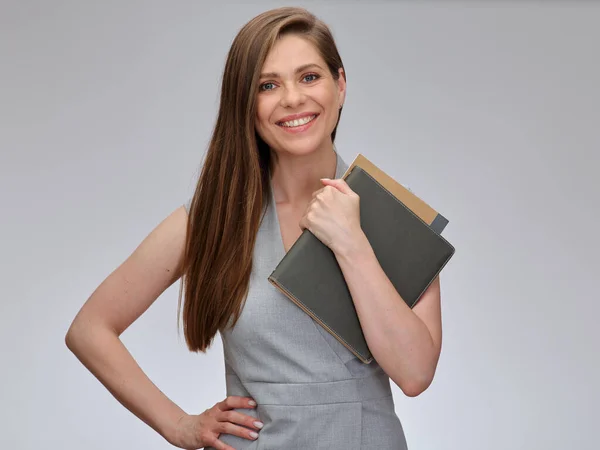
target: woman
<point>271,171</point>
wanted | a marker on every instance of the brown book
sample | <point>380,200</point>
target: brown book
<point>405,233</point>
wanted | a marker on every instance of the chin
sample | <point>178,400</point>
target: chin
<point>300,148</point>
<point>303,146</point>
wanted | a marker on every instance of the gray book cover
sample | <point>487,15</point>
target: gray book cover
<point>409,250</point>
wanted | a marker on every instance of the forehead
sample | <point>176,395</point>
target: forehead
<point>290,52</point>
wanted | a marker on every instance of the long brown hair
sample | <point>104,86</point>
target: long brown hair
<point>233,187</point>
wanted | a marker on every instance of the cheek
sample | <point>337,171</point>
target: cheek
<point>260,121</point>
<point>332,107</point>
<point>329,101</point>
<point>263,114</point>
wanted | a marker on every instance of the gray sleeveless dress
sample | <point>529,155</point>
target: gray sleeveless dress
<point>311,391</point>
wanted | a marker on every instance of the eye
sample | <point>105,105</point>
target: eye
<point>316,77</point>
<point>262,87</point>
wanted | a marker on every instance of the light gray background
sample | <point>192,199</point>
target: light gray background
<point>488,111</point>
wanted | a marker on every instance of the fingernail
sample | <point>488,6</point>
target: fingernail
<point>258,424</point>
<point>252,403</point>
<point>253,434</point>
<point>326,179</point>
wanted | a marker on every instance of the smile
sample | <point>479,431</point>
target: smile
<point>297,122</point>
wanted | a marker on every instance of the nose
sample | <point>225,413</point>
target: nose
<point>291,97</point>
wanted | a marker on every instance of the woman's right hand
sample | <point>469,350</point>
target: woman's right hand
<point>202,430</point>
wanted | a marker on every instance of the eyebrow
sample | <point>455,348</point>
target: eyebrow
<point>299,69</point>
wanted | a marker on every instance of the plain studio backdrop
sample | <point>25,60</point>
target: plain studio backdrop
<point>488,111</point>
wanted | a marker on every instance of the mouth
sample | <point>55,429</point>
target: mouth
<point>298,125</point>
<point>298,122</point>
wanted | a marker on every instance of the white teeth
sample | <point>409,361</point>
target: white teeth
<point>298,122</point>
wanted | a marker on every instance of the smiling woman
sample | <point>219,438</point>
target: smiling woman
<point>266,177</point>
<point>296,77</point>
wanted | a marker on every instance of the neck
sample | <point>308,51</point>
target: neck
<point>295,177</point>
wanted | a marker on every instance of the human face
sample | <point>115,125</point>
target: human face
<point>297,85</point>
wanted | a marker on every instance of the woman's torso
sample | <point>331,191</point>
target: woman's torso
<point>311,391</point>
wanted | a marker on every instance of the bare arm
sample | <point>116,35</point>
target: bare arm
<point>405,342</point>
<point>116,303</point>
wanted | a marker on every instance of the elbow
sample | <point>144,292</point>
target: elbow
<point>415,389</point>
<point>76,335</point>
<point>86,333</point>
<point>71,337</point>
<point>416,386</point>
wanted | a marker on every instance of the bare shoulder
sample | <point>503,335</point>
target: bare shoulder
<point>153,266</point>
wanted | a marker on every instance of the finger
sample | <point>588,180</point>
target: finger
<point>236,430</point>
<point>317,192</point>
<point>339,183</point>
<point>240,419</point>
<point>234,401</point>
<point>304,224</point>
<point>321,195</point>
<point>220,445</point>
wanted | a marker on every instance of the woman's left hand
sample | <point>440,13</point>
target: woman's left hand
<point>333,215</point>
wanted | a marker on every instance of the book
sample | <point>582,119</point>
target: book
<point>405,234</point>
<point>430,216</point>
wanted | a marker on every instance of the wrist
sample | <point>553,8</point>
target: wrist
<point>171,430</point>
<point>355,248</point>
